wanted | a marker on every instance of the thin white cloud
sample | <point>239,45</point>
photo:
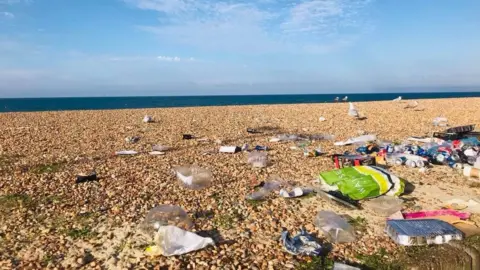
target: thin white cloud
<point>256,26</point>
<point>7,15</point>
<point>174,59</point>
<point>14,2</point>
<point>148,58</point>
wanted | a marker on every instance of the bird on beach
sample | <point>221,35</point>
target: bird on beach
<point>352,111</point>
<point>337,99</point>
<point>398,98</point>
<point>345,99</point>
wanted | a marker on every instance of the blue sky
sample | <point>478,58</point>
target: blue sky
<point>185,47</point>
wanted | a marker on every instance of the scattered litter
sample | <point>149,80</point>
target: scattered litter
<point>132,139</point>
<point>384,205</point>
<point>362,182</point>
<point>171,240</point>
<point>230,149</point>
<point>164,215</point>
<point>341,161</point>
<point>126,152</point>
<point>148,119</point>
<point>161,148</point>
<point>258,159</point>
<point>264,191</point>
<point>421,139</point>
<point>356,140</point>
<point>301,244</point>
<point>440,122</point>
<point>341,266</point>
<point>312,153</point>
<point>86,178</point>
<point>322,119</point>
<point>261,148</point>
<point>419,232</point>
<point>434,213</point>
<point>471,205</point>
<point>188,136</point>
<point>245,147</point>
<point>352,111</point>
<point>193,177</point>
<point>471,172</point>
<point>335,228</point>
<point>156,153</point>
<point>412,105</point>
<point>339,198</point>
<point>296,192</point>
<point>252,131</point>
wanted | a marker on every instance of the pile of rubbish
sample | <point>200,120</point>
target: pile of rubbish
<point>457,147</point>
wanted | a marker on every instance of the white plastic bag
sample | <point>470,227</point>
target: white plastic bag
<point>171,240</point>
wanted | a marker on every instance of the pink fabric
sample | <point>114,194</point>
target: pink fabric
<point>433,213</point>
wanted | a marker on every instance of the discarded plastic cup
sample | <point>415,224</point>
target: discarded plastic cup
<point>193,177</point>
<point>258,159</point>
<point>164,215</point>
<point>335,228</point>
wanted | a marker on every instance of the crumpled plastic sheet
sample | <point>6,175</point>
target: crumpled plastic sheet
<point>301,244</point>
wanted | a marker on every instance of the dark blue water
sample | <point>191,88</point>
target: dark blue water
<point>101,103</point>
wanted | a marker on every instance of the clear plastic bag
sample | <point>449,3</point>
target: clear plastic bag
<point>193,177</point>
<point>265,190</point>
<point>164,215</point>
<point>335,228</point>
<point>258,159</point>
<point>384,205</point>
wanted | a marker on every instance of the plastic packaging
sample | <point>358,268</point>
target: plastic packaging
<point>301,244</point>
<point>341,266</point>
<point>352,111</point>
<point>335,228</point>
<point>357,140</point>
<point>384,205</point>
<point>126,152</point>
<point>477,163</point>
<point>164,215</point>
<point>86,178</point>
<point>258,159</point>
<point>440,122</point>
<point>171,240</point>
<point>418,232</point>
<point>160,148</point>
<point>263,192</point>
<point>193,177</point>
<point>471,172</point>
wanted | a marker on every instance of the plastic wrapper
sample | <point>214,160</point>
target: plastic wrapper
<point>419,232</point>
<point>258,159</point>
<point>335,228</point>
<point>352,111</point>
<point>362,182</point>
<point>193,177</point>
<point>301,244</point>
<point>265,190</point>
<point>164,215</point>
<point>384,205</point>
<point>171,240</point>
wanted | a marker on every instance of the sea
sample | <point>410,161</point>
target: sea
<point>104,103</point>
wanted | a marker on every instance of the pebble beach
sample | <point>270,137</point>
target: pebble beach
<point>49,221</point>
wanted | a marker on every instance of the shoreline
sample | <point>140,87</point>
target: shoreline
<point>103,103</point>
